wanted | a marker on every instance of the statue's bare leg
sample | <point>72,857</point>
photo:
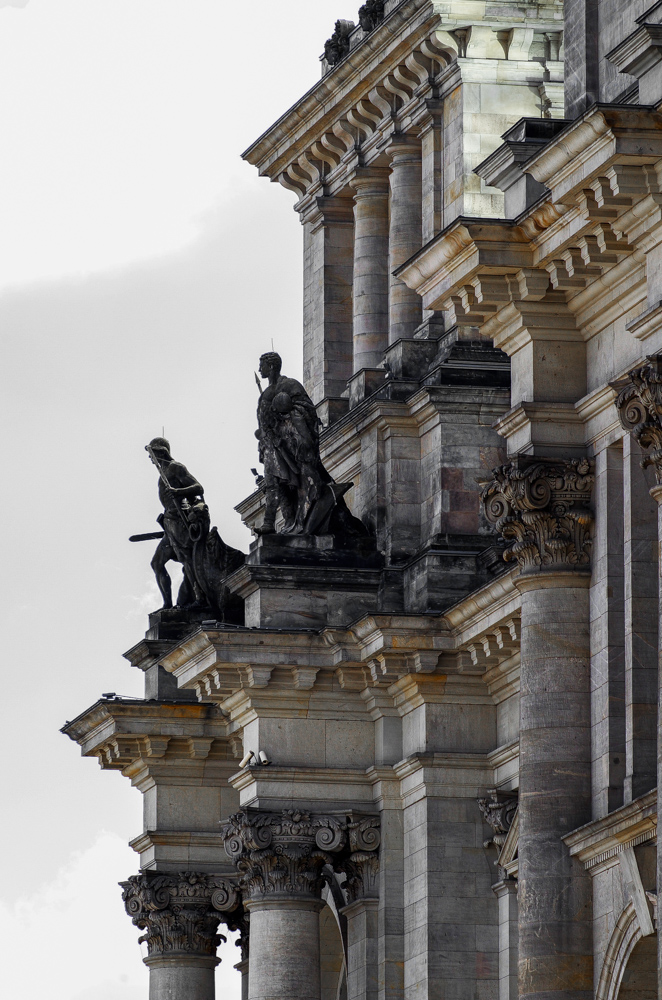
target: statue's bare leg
<point>163,555</point>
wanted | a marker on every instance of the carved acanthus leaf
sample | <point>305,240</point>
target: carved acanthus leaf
<point>291,852</point>
<point>180,913</point>
<point>639,405</point>
<point>541,509</point>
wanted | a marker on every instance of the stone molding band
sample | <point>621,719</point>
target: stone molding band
<point>180,913</point>
<point>540,507</point>
<point>288,854</point>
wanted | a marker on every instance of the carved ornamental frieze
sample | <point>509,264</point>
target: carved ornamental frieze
<point>541,508</point>
<point>293,853</point>
<point>180,913</point>
<point>639,405</point>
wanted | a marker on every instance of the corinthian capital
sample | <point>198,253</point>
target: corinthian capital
<point>180,913</point>
<point>639,405</point>
<point>284,852</point>
<point>361,867</point>
<point>541,509</point>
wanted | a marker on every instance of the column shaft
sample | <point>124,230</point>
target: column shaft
<point>285,950</point>
<point>405,229</point>
<point>371,261</point>
<point>432,180</point>
<point>608,635</point>
<point>181,978</point>
<point>327,297</point>
<point>641,625</point>
<point>555,929</point>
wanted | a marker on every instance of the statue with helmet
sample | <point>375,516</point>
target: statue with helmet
<point>189,539</point>
<point>295,480</point>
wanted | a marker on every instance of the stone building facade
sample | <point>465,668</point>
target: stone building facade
<point>461,721</point>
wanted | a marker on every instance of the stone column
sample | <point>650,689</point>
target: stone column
<point>639,404</point>
<point>541,508</point>
<point>371,264</point>
<point>328,227</point>
<point>180,914</point>
<point>405,233</point>
<point>281,857</point>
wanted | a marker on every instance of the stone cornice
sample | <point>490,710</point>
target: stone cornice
<point>384,82</point>
<point>602,839</point>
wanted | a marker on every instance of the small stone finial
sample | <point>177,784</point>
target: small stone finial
<point>541,508</point>
<point>337,46</point>
<point>282,853</point>
<point>639,405</point>
<point>371,14</point>
<point>180,913</point>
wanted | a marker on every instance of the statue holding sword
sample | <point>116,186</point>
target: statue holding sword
<point>179,493</point>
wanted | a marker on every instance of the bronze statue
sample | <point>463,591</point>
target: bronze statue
<point>178,492</point>
<point>294,478</point>
<point>189,539</point>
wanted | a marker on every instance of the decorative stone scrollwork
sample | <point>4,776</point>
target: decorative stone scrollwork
<point>639,405</point>
<point>282,853</point>
<point>541,508</point>
<point>337,47</point>
<point>180,913</point>
<point>361,868</point>
<point>371,14</point>
<point>291,852</point>
<point>498,811</point>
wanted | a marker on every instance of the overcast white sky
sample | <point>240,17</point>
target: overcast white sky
<point>143,269</point>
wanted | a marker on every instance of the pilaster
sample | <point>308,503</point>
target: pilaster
<point>328,277</point>
<point>541,509</point>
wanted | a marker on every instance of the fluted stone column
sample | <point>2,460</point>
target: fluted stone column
<point>541,508</point>
<point>639,404</point>
<point>371,266</point>
<point>180,915</point>
<point>405,233</point>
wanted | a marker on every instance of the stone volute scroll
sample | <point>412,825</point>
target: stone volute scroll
<point>282,853</point>
<point>295,480</point>
<point>541,508</point>
<point>361,867</point>
<point>180,913</point>
<point>639,405</point>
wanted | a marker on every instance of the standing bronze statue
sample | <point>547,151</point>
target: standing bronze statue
<point>189,539</point>
<point>179,491</point>
<point>295,479</point>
